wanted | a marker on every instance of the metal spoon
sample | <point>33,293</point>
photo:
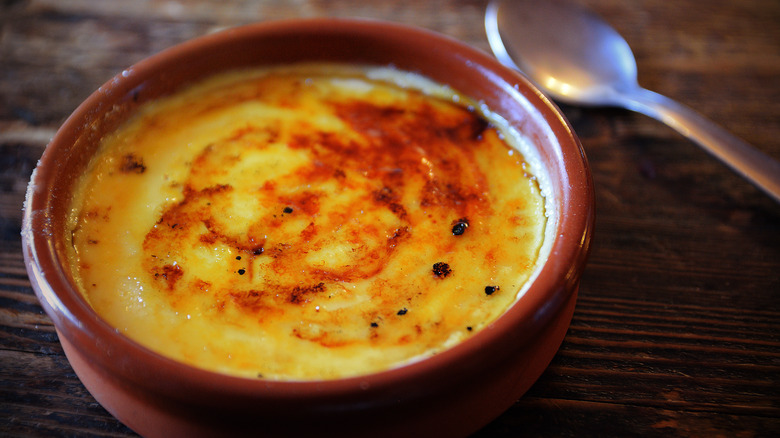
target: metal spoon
<point>577,58</point>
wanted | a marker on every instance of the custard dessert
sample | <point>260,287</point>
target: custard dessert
<point>308,222</point>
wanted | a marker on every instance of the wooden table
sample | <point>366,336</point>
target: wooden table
<point>677,328</point>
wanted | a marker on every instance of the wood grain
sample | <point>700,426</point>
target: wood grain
<point>677,328</point>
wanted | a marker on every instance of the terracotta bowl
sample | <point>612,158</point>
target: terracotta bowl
<point>451,394</point>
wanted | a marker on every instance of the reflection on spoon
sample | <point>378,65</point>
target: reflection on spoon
<point>579,59</point>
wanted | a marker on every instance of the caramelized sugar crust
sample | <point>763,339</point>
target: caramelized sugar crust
<point>305,224</point>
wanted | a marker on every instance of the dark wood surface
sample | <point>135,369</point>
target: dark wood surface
<point>677,328</point>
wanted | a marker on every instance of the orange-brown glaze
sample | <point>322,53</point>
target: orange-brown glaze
<point>306,225</point>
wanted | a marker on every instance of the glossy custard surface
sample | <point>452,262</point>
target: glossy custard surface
<point>306,223</point>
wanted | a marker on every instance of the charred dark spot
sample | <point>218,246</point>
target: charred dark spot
<point>288,210</point>
<point>459,226</point>
<point>241,271</point>
<point>441,269</point>
<point>132,164</point>
<point>403,311</point>
<point>490,290</point>
<point>374,324</point>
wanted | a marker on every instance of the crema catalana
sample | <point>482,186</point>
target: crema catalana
<point>306,223</point>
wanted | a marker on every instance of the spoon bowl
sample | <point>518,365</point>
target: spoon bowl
<point>577,58</point>
<point>555,59</point>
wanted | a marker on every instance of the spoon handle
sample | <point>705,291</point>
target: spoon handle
<point>751,163</point>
